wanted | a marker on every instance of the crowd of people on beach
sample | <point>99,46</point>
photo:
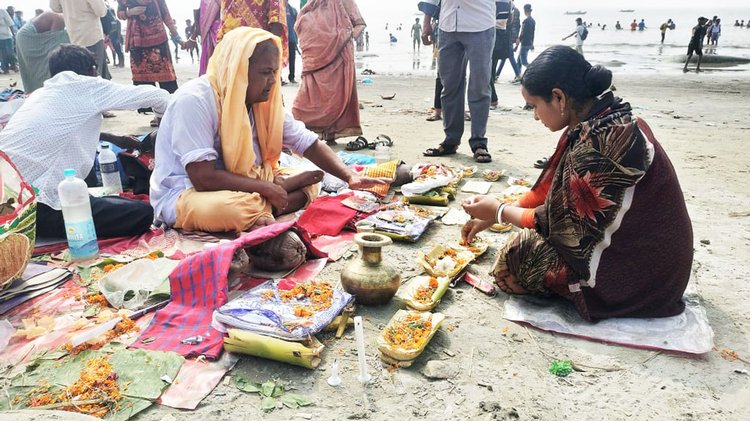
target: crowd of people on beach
<point>604,226</point>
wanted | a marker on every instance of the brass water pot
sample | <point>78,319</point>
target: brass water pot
<point>367,277</point>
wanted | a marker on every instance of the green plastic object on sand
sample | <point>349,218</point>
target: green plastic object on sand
<point>560,368</point>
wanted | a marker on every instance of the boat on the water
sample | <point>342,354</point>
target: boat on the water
<point>627,10</point>
<point>577,12</point>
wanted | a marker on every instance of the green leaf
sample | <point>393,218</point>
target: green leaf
<point>289,402</point>
<point>268,404</point>
<point>277,391</point>
<point>298,399</point>
<point>64,372</point>
<point>113,347</point>
<point>142,370</point>
<point>129,407</point>
<point>91,310</point>
<point>48,354</point>
<point>246,386</point>
<point>266,389</point>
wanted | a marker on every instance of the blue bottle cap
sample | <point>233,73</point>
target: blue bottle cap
<point>70,172</point>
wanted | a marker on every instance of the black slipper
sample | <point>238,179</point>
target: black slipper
<point>441,150</point>
<point>482,156</point>
<point>357,144</point>
<point>382,139</point>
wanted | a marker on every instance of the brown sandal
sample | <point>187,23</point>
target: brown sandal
<point>441,150</point>
<point>482,156</point>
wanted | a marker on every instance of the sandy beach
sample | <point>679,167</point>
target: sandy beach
<point>702,121</point>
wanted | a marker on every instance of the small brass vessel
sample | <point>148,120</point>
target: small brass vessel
<point>368,278</point>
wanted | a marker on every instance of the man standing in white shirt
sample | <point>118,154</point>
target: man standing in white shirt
<point>467,36</point>
<point>580,34</point>
<point>83,22</point>
<point>58,127</point>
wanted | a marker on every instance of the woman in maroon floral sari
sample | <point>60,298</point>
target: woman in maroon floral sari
<point>147,41</point>
<point>606,224</point>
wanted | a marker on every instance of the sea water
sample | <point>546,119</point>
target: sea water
<point>621,51</point>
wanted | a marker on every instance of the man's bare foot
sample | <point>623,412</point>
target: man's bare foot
<point>299,181</point>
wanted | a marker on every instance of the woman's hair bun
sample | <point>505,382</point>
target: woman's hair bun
<point>598,79</point>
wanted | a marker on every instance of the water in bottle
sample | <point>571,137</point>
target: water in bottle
<point>382,153</point>
<point>76,210</point>
<point>108,168</point>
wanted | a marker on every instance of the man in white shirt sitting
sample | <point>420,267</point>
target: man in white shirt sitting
<point>58,127</point>
<point>221,138</point>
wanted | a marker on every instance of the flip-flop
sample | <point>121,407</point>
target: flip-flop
<point>441,150</point>
<point>382,139</point>
<point>357,144</point>
<point>482,156</point>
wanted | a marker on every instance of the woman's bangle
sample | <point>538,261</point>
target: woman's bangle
<point>499,216</point>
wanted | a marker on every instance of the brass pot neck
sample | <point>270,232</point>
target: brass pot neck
<point>371,255</point>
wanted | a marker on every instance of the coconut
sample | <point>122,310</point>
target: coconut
<point>284,252</point>
<point>15,253</point>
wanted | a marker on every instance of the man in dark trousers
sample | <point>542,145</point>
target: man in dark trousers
<point>467,37</point>
<point>291,19</point>
<point>526,38</point>
<point>696,44</point>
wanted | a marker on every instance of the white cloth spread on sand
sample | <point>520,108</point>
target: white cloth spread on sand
<point>189,132</point>
<point>58,127</point>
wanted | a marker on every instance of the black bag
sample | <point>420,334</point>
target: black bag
<point>108,21</point>
<point>585,34</point>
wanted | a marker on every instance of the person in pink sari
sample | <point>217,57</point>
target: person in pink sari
<point>207,24</point>
<point>327,99</point>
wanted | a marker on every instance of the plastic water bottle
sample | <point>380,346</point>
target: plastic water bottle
<point>79,225</point>
<point>382,153</point>
<point>108,168</point>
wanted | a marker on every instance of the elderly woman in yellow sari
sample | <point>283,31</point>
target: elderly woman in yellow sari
<point>220,142</point>
<point>327,99</point>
